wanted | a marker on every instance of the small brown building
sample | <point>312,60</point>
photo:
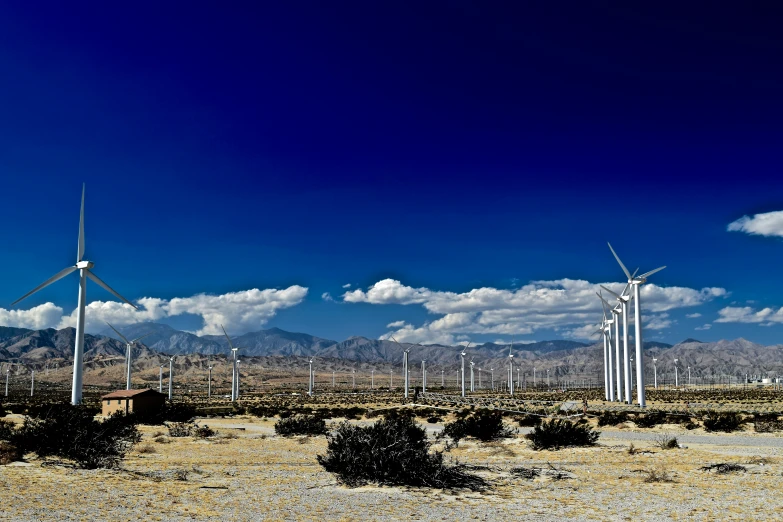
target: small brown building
<point>127,401</point>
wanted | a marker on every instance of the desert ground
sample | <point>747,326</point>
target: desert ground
<point>246,472</point>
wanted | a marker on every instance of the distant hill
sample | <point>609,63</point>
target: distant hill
<point>276,348</point>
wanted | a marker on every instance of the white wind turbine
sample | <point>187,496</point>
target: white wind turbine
<point>606,330</point>
<point>623,299</point>
<point>462,358</point>
<point>405,370</point>
<point>128,346</point>
<point>234,377</point>
<point>85,271</point>
<point>310,379</point>
<point>472,387</point>
<point>511,369</point>
<point>617,360</point>
<point>636,282</point>
<point>423,376</point>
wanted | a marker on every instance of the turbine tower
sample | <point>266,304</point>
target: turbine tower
<point>128,346</point>
<point>171,377</point>
<point>310,380</point>
<point>85,271</point>
<point>617,360</point>
<point>234,376</point>
<point>606,329</point>
<point>623,300</point>
<point>472,388</point>
<point>462,357</point>
<point>405,370</point>
<point>423,376</point>
<point>636,282</point>
<point>511,369</point>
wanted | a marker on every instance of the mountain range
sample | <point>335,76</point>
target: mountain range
<point>41,348</point>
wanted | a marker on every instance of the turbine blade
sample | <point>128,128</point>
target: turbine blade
<point>118,333</point>
<point>109,289</point>
<point>142,337</point>
<point>227,337</point>
<point>651,272</point>
<point>614,294</point>
<point>627,273</point>
<point>56,277</point>
<point>80,251</point>
<point>602,303</point>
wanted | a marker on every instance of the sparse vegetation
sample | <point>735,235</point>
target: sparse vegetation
<point>724,468</point>
<point>300,425</point>
<point>723,421</point>
<point>666,441</point>
<point>181,429</point>
<point>657,474</point>
<point>612,418</point>
<point>560,433</point>
<point>71,432</point>
<point>392,451</point>
<point>484,425</point>
<point>650,419</point>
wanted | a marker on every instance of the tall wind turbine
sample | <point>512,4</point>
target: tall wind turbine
<point>511,369</point>
<point>128,346</point>
<point>405,369</point>
<point>623,298</point>
<point>310,379</point>
<point>234,390</point>
<point>636,282</point>
<point>472,387</point>
<point>85,271</point>
<point>462,357</point>
<point>423,376</point>
<point>617,360</point>
<point>606,330</point>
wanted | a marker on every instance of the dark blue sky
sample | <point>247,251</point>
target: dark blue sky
<point>445,145</point>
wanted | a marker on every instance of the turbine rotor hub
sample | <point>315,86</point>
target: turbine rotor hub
<point>85,264</point>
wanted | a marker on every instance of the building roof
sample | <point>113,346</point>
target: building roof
<point>128,394</point>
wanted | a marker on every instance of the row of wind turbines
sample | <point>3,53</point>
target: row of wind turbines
<point>85,269</point>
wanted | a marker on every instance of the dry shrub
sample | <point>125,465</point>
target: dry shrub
<point>181,429</point>
<point>724,468</point>
<point>724,421</point>
<point>392,451</point>
<point>560,433</point>
<point>300,425</point>
<point>146,448</point>
<point>612,418</point>
<point>666,441</point>
<point>657,474</point>
<point>484,425</point>
<point>9,453</point>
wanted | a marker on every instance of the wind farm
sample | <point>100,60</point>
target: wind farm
<point>327,226</point>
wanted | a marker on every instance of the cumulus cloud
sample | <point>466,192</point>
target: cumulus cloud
<point>239,312</point>
<point>746,314</point>
<point>566,304</point>
<point>37,318</point>
<point>705,327</point>
<point>396,324</point>
<point>693,316</point>
<point>326,296</point>
<point>766,224</point>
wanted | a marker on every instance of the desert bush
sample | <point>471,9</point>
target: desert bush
<point>300,425</point>
<point>392,451</point>
<point>146,448</point>
<point>72,432</point>
<point>690,425</point>
<point>203,432</point>
<point>657,474</point>
<point>723,468</point>
<point>8,453</point>
<point>7,429</point>
<point>611,418</point>
<point>560,433</point>
<point>724,421</point>
<point>484,425</point>
<point>181,429</point>
<point>3,413</point>
<point>665,441</point>
<point>650,419</point>
<point>169,412</point>
<point>528,420</point>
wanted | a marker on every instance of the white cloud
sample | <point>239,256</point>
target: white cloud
<point>347,285</point>
<point>239,312</point>
<point>568,304</point>
<point>326,296</point>
<point>693,316</point>
<point>657,322</point>
<point>746,314</point>
<point>396,324</point>
<point>705,327</point>
<point>767,224</point>
<point>37,318</point>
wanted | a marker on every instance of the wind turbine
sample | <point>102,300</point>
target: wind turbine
<point>511,369</point>
<point>84,268</point>
<point>32,383</point>
<point>160,380</point>
<point>423,376</point>
<point>616,321</point>
<point>128,346</point>
<point>462,357</point>
<point>209,384</point>
<point>472,388</point>
<point>310,379</point>
<point>636,282</point>
<point>7,378</point>
<point>623,300</point>
<point>171,377</point>
<point>234,389</point>
<point>405,353</point>
<point>606,329</point>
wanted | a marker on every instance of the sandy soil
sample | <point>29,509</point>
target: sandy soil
<point>247,473</point>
